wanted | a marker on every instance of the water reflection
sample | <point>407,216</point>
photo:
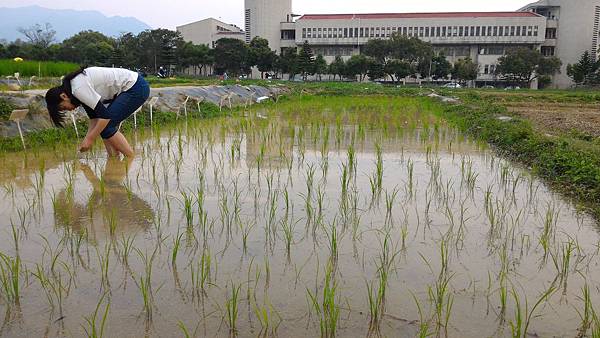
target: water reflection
<point>111,208</point>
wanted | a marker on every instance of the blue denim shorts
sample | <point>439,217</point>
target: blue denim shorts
<point>124,105</point>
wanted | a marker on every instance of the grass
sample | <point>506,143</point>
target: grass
<point>36,68</point>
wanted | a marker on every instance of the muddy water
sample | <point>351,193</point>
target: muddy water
<point>258,199</point>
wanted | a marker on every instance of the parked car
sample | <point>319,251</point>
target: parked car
<point>488,87</point>
<point>452,85</point>
<point>512,88</point>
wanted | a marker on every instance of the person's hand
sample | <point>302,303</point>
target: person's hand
<point>86,145</point>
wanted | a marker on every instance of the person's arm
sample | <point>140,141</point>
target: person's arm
<point>97,125</point>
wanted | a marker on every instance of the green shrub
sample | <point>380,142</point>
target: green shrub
<point>5,109</point>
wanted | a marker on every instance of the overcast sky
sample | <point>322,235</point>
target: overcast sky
<point>172,13</point>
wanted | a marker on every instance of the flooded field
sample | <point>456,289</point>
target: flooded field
<point>347,217</point>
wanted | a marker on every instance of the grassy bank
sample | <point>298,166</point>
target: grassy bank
<point>568,163</point>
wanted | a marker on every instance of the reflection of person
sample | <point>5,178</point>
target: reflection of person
<point>123,90</point>
<point>110,201</point>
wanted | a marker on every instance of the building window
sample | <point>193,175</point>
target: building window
<point>356,32</point>
<point>362,32</point>
<point>550,33</point>
<point>304,33</point>
<point>486,69</point>
<point>547,51</point>
<point>536,31</point>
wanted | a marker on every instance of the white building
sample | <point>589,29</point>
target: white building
<point>208,31</point>
<point>482,36</point>
<point>571,29</point>
<point>264,18</point>
<point>564,28</point>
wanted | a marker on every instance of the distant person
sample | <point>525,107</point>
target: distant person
<point>225,76</point>
<point>108,95</point>
<point>162,73</point>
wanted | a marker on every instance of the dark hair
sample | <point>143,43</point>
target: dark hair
<point>53,98</point>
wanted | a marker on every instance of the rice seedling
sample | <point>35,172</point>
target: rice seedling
<point>587,316</point>
<point>231,306</point>
<point>390,199</point>
<point>184,330</point>
<point>104,263</point>
<point>523,316</point>
<point>127,244</point>
<point>10,278</point>
<point>268,318</point>
<point>326,307</point>
<point>187,202</point>
<point>176,246</point>
<point>201,274</point>
<point>93,328</point>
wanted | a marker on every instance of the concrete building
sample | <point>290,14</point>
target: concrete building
<point>208,31</point>
<point>264,18</point>
<point>482,36</point>
<point>564,28</point>
<point>571,29</point>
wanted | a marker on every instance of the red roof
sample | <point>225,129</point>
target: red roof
<point>419,15</point>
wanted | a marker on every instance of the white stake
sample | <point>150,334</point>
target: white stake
<point>16,116</point>
<point>74,123</point>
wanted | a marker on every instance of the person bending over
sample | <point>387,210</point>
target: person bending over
<point>108,96</point>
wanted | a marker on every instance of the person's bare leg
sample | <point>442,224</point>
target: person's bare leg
<point>120,144</point>
<point>112,152</point>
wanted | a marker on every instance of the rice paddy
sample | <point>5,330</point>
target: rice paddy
<point>315,216</point>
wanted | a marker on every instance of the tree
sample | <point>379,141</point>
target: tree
<point>261,55</point>
<point>336,68</point>
<point>358,65</point>
<point>306,61</point>
<point>87,48</point>
<point>584,71</point>
<point>320,66</point>
<point>39,36</point>
<point>287,62</point>
<point>399,56</point>
<point>231,55</point>
<point>375,70</point>
<point>158,47</point>
<point>440,67</point>
<point>465,70</point>
<point>398,69</point>
<point>199,57</point>
<point>523,65</point>
<point>127,52</point>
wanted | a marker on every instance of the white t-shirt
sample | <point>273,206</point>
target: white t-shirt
<point>101,84</point>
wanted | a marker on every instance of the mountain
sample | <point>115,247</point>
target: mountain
<point>65,22</point>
